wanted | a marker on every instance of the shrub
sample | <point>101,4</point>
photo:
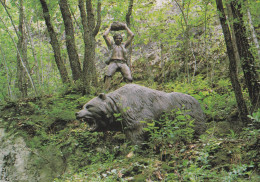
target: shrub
<point>172,127</point>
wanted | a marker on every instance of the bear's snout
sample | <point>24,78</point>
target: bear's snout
<point>77,115</point>
<point>82,113</point>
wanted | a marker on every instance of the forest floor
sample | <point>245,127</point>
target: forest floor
<point>226,152</point>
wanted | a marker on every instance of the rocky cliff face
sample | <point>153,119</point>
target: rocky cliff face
<point>19,163</point>
<point>165,45</point>
<point>14,157</point>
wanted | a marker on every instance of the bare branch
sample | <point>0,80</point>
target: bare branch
<point>4,5</point>
<point>129,12</point>
<point>20,56</point>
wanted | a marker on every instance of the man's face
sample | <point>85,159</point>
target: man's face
<point>118,40</point>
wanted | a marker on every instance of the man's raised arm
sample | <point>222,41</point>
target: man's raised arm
<point>130,36</point>
<point>107,39</point>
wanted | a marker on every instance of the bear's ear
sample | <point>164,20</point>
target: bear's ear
<point>102,96</point>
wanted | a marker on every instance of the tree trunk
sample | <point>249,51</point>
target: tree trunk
<point>23,64</point>
<point>86,34</point>
<point>70,40</point>
<point>246,57</point>
<point>129,13</point>
<point>54,43</point>
<point>29,33</point>
<point>128,22</point>
<point>232,64</point>
<point>253,33</point>
<point>22,79</point>
<point>90,32</point>
<point>233,37</point>
<point>10,94</point>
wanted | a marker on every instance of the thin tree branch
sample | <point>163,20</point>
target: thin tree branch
<point>10,18</point>
<point>19,54</point>
<point>186,23</point>
<point>129,12</point>
<point>253,33</point>
<point>33,48</point>
<point>7,74</point>
<point>75,19</point>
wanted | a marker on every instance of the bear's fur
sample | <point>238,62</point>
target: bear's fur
<point>137,103</point>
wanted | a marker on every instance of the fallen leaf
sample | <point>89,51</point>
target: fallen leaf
<point>131,154</point>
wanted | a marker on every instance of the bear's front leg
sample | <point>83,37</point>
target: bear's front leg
<point>135,135</point>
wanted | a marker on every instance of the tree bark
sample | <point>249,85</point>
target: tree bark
<point>70,40</point>
<point>93,30</point>
<point>246,57</point>
<point>253,33</point>
<point>10,94</point>
<point>90,31</point>
<point>86,34</point>
<point>22,79</point>
<point>232,64</point>
<point>129,13</point>
<point>54,43</point>
<point>233,37</point>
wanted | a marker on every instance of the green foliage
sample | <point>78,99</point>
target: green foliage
<point>255,116</point>
<point>171,153</point>
<point>252,131</point>
<point>217,103</point>
<point>62,111</point>
<point>171,128</point>
<point>192,60</point>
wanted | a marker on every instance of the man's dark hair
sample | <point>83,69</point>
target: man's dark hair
<point>118,35</point>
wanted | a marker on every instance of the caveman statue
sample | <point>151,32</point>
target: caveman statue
<point>118,55</point>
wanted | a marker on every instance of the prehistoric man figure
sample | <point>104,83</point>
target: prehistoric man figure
<point>118,58</point>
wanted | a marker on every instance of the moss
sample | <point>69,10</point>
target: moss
<point>219,129</point>
<point>140,178</point>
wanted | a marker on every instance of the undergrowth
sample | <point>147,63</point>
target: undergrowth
<point>223,153</point>
<point>173,155</point>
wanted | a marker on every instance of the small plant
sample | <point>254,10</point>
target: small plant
<point>232,134</point>
<point>255,116</point>
<point>119,118</point>
<point>236,172</point>
<point>171,128</point>
<point>253,129</point>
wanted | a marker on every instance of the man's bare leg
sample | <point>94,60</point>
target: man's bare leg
<point>107,83</point>
<point>128,81</point>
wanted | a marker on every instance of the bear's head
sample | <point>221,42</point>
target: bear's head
<point>97,113</point>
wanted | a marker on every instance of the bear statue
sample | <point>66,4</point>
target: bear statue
<point>135,104</point>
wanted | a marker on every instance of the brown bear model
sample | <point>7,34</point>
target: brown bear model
<point>137,103</point>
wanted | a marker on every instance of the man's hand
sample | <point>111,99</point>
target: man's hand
<point>125,25</point>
